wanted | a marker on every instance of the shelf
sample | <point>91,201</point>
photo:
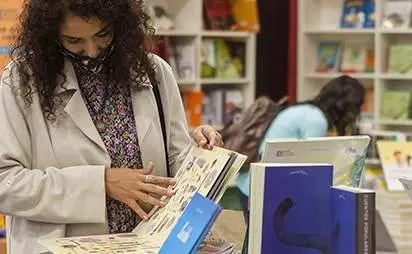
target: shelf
<point>396,76</point>
<point>338,31</point>
<point>175,33</point>
<point>329,75</point>
<point>395,31</point>
<point>213,81</point>
<point>231,34</point>
<point>396,122</point>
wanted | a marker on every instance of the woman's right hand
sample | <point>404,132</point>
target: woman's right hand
<point>132,185</point>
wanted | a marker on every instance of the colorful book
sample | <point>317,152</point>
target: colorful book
<point>192,226</point>
<point>354,57</point>
<point>396,105</point>
<point>352,221</point>
<point>204,172</point>
<point>399,60</point>
<point>328,56</point>
<point>353,15</point>
<point>290,208</point>
<point>370,15</point>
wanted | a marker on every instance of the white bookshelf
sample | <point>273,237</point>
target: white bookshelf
<point>187,16</point>
<point>319,20</point>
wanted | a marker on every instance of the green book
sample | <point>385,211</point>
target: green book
<point>395,105</point>
<point>399,59</point>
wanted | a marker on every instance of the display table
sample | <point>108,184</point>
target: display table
<point>3,249</point>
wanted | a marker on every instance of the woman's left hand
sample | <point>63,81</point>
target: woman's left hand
<point>207,137</point>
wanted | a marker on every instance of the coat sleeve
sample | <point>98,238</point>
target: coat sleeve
<point>179,140</point>
<point>51,195</point>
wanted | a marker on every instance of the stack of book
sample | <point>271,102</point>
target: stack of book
<point>396,211</point>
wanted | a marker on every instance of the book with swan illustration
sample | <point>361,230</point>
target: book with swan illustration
<point>290,208</point>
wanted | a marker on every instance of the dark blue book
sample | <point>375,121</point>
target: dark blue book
<point>352,221</point>
<point>369,10</point>
<point>192,227</point>
<point>290,208</point>
<point>353,15</point>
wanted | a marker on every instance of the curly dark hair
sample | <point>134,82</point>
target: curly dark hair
<point>341,100</point>
<point>38,53</point>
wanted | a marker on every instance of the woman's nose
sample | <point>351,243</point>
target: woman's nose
<point>91,50</point>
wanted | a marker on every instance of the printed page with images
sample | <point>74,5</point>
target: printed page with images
<point>199,172</point>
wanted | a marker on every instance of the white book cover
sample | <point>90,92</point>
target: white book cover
<point>347,155</point>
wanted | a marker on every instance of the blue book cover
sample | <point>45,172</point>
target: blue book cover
<point>353,15</point>
<point>352,221</point>
<point>369,9</point>
<point>192,227</point>
<point>296,209</point>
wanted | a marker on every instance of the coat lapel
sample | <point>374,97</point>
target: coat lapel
<point>76,107</point>
<point>144,105</point>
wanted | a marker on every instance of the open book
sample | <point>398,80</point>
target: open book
<point>205,172</point>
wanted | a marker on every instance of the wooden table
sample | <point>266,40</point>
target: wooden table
<point>3,249</point>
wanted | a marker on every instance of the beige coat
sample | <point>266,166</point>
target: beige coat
<point>52,174</point>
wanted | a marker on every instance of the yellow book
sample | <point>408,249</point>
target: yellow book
<point>2,221</point>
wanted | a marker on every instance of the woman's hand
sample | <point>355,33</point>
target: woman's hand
<point>132,185</point>
<point>206,136</point>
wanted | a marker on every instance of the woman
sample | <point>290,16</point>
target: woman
<point>81,145</point>
<point>334,109</point>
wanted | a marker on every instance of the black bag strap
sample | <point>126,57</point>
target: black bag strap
<point>162,123</point>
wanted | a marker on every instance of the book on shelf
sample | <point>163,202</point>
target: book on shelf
<point>399,61</point>
<point>208,59</point>
<point>246,16</point>
<point>328,56</point>
<point>223,59</point>
<point>2,225</point>
<point>369,101</point>
<point>218,15</point>
<point>369,7</point>
<point>358,14</point>
<point>222,106</point>
<point>396,105</point>
<point>289,208</point>
<point>180,55</point>
<point>354,57</point>
<point>193,104</point>
<point>352,220</point>
<point>205,172</point>
<point>397,14</point>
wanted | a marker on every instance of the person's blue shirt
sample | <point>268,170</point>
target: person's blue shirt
<point>298,121</point>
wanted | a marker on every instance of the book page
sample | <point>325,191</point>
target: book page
<point>101,244</point>
<point>197,173</point>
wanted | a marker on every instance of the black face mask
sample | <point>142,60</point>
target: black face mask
<point>94,65</point>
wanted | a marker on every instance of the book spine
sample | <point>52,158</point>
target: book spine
<point>365,223</point>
